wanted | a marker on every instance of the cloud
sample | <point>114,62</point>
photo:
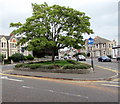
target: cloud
<point>103,13</point>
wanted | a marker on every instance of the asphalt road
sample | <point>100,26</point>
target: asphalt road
<point>23,89</point>
<point>111,65</point>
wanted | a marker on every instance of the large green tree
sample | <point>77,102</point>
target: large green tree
<point>53,27</point>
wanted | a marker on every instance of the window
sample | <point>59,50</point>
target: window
<point>4,45</point>
<point>103,45</point>
<point>97,45</point>
<point>112,45</point>
<point>13,45</point>
<point>104,52</point>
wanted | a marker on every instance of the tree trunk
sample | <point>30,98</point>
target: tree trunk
<point>53,55</point>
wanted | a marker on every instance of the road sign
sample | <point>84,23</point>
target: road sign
<point>90,41</point>
<point>90,44</point>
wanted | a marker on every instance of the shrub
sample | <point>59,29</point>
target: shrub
<point>1,57</point>
<point>80,66</point>
<point>25,58</point>
<point>7,62</point>
<point>72,61</point>
<point>47,66</point>
<point>29,57</point>
<point>34,66</point>
<point>69,67</point>
<point>19,65</point>
<point>17,57</point>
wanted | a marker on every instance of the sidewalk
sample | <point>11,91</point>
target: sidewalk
<point>98,74</point>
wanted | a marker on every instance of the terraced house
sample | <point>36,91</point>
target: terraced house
<point>8,46</point>
<point>101,47</point>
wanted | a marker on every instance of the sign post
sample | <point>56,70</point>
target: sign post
<point>90,44</point>
<point>22,50</point>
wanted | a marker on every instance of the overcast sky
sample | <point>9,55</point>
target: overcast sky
<point>103,13</point>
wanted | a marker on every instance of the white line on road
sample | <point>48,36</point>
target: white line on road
<point>26,87</point>
<point>110,85</point>
<point>115,82</point>
<point>68,94</point>
<point>5,77</point>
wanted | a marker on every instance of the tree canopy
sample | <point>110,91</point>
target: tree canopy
<point>53,27</point>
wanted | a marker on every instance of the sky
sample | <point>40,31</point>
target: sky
<point>103,13</point>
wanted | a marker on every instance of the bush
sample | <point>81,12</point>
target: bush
<point>19,65</point>
<point>34,66</point>
<point>72,61</point>
<point>1,57</point>
<point>57,65</point>
<point>29,57</point>
<point>80,66</point>
<point>17,57</point>
<point>25,58</point>
<point>7,62</point>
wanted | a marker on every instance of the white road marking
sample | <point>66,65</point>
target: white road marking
<point>5,77</point>
<point>110,85</point>
<point>115,82</point>
<point>26,87</point>
<point>68,94</point>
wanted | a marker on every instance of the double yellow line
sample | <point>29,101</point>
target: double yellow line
<point>113,70</point>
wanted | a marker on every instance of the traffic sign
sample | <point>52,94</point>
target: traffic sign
<point>90,41</point>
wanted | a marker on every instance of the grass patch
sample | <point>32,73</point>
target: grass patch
<point>59,64</point>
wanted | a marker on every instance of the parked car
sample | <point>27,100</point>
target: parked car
<point>66,57</point>
<point>81,58</point>
<point>104,59</point>
<point>56,57</point>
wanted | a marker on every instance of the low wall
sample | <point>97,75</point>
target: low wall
<point>77,71</point>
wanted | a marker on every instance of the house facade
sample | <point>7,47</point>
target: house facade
<point>101,47</point>
<point>8,46</point>
<point>116,50</point>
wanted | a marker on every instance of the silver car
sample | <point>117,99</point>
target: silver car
<point>81,58</point>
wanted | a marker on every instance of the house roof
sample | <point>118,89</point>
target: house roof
<point>99,39</point>
<point>7,37</point>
